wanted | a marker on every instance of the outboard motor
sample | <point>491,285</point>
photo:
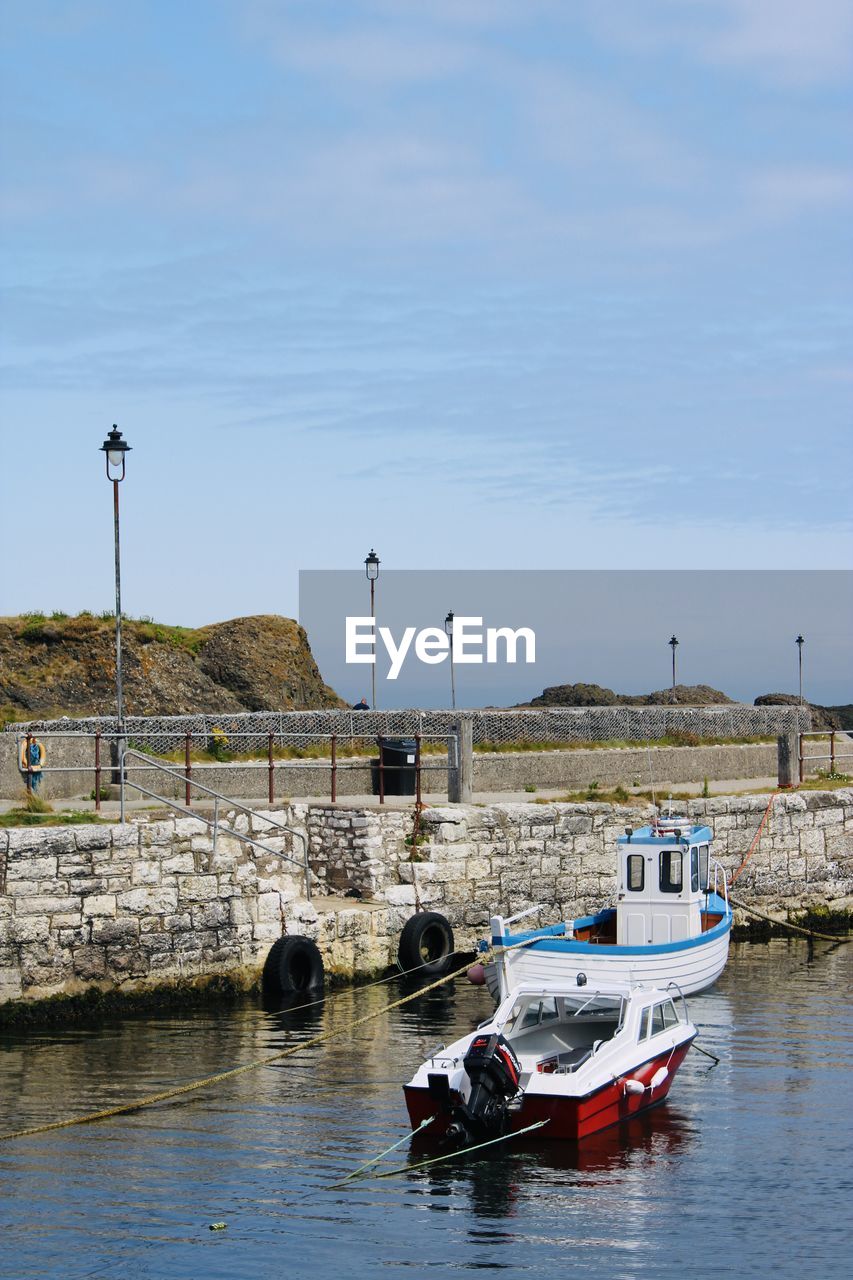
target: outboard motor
<point>494,1072</point>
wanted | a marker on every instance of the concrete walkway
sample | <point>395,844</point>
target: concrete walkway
<point>110,808</point>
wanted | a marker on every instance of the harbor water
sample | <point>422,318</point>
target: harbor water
<point>745,1170</point>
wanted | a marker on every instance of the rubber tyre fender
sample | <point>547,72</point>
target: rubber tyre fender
<point>426,943</point>
<point>294,965</point>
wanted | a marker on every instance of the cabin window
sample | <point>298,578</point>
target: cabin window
<point>703,865</point>
<point>644,1025</point>
<point>670,871</point>
<point>657,1019</point>
<point>694,870</point>
<point>636,872</point>
<point>670,1017</point>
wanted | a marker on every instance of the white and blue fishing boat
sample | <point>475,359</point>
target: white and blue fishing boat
<point>671,923</point>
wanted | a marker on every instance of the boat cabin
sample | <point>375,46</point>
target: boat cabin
<point>556,1033</point>
<point>663,882</point>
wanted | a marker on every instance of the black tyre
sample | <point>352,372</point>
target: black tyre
<point>293,965</point>
<point>426,943</point>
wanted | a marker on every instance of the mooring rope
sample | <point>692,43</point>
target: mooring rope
<point>755,838</point>
<point>178,1091</point>
<point>786,924</point>
<point>465,1151</point>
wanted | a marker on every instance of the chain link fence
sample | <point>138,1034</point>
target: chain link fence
<point>249,733</point>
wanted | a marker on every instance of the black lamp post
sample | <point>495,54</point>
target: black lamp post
<point>448,629</point>
<point>799,642</point>
<point>371,568</point>
<point>115,449</point>
<point>673,644</point>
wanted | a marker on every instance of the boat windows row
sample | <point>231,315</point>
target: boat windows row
<point>671,870</point>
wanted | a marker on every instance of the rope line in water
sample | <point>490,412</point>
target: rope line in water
<point>178,1091</point>
<point>333,1186</point>
<point>786,924</point>
<point>464,1151</point>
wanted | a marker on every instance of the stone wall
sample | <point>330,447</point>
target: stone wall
<point>150,902</point>
<point>155,901</point>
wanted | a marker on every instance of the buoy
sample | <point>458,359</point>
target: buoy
<point>477,975</point>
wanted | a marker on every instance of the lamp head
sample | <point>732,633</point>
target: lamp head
<point>371,565</point>
<point>115,447</point>
<point>448,624</point>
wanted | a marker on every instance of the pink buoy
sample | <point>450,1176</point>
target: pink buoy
<point>477,975</point>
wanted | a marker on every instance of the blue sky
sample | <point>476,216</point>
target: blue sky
<point>481,283</point>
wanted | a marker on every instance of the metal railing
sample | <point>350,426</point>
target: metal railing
<point>832,755</point>
<point>215,824</point>
<point>718,869</point>
<point>334,763</point>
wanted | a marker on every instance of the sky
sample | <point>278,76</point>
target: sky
<point>485,284</point>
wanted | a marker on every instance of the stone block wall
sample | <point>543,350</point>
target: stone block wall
<point>155,901</point>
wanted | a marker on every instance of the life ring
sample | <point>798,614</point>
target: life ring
<point>23,762</point>
<point>426,943</point>
<point>294,965</point>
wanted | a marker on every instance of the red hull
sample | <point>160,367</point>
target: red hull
<point>569,1119</point>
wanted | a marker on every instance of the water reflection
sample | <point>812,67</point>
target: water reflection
<point>262,1151</point>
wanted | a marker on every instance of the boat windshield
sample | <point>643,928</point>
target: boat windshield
<point>535,1010</point>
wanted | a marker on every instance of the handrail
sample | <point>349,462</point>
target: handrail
<point>215,824</point>
<point>719,867</point>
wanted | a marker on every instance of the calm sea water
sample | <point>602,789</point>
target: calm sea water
<point>745,1170</point>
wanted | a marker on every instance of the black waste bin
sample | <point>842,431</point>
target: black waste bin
<point>398,761</point>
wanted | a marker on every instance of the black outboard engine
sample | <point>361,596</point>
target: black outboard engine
<point>494,1072</point>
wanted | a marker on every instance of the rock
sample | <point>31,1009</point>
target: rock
<point>67,666</point>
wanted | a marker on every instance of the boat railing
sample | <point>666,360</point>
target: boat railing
<point>720,870</point>
<point>522,915</point>
<point>215,824</point>
<point>673,983</point>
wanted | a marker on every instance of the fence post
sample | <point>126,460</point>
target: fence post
<point>381,770</point>
<point>188,768</point>
<point>786,754</point>
<point>460,779</point>
<point>418,770</point>
<point>334,767</point>
<point>97,770</point>
<point>832,751</point>
<point>271,769</point>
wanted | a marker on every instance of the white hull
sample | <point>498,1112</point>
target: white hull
<point>693,968</point>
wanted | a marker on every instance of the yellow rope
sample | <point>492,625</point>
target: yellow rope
<point>786,924</point>
<point>179,1090</point>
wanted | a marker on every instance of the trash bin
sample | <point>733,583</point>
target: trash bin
<point>398,760</point>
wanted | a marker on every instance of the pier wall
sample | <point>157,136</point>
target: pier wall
<point>151,902</point>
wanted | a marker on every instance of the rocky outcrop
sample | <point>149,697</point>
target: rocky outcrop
<point>594,695</point>
<point>66,666</point>
<point>822,717</point>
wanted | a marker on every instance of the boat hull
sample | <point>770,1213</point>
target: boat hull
<point>567,1118</point>
<point>693,965</point>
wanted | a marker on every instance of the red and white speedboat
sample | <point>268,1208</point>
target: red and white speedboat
<point>577,1057</point>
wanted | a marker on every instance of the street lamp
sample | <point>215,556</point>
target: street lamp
<point>115,449</point>
<point>799,642</point>
<point>371,568</point>
<point>448,630</point>
<point>673,644</point>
